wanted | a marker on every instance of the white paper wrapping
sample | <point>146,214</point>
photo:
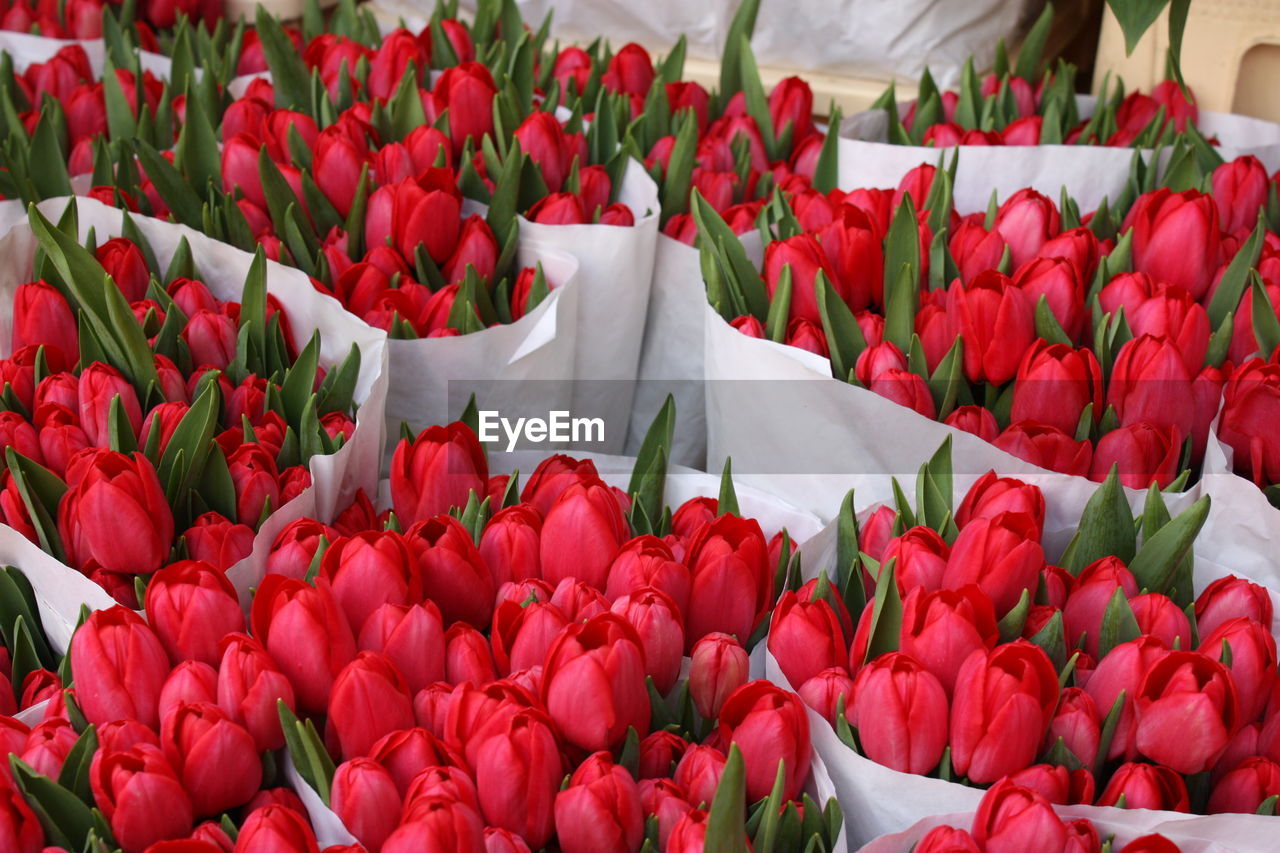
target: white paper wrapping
<point>877,800</point>
<point>335,478</point>
<point>671,360</point>
<point>811,438</point>
<point>1243,527</point>
<point>1125,826</point>
<point>615,267</point>
<point>496,362</point>
<point>28,49</point>
<point>1089,172</point>
<point>850,38</point>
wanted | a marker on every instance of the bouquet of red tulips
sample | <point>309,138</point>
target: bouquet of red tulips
<point>134,395</point>
<point>1076,678</point>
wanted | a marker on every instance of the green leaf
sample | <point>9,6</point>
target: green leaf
<point>1266,326</point>
<point>1118,624</point>
<point>1047,326</point>
<point>1052,638</point>
<point>67,821</point>
<point>289,77</point>
<point>648,479</point>
<point>775,327</point>
<point>848,562</point>
<point>1157,560</point>
<point>1106,528</point>
<point>742,25</point>
<point>1029,54</point>
<point>728,810</point>
<point>844,336</point>
<point>727,503</point>
<point>41,491</point>
<point>886,613</point>
<point>675,187</point>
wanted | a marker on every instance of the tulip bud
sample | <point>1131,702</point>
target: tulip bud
<point>193,606</point>
<point>900,710</point>
<point>365,798</point>
<point>1010,817</point>
<point>581,535</point>
<point>452,571</point>
<point>215,759</point>
<point>769,725</point>
<point>140,796</point>
<point>275,827</point>
<point>435,472</point>
<point>1187,712</point>
<point>1146,786</point>
<point>1015,684</point>
<point>1176,238</point>
<point>517,776</point>
<point>303,629</point>
<point>120,667</point>
<point>249,688</point>
<point>369,699</point>
<point>658,625</point>
<point>600,810</point>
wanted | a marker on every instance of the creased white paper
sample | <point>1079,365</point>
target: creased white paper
<point>615,267</point>
<point>335,478</point>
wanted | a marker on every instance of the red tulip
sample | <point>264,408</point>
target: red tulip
<point>140,796</point>
<point>940,629</point>
<point>1004,700</point>
<point>99,385</point>
<point>20,829</point>
<point>1245,788</point>
<point>1046,446</point>
<point>276,828</point>
<point>1229,597</point>
<point>41,316</point>
<point>453,574</point>
<point>581,535</point>
<point>192,606</point>
<point>995,320</point>
<point>806,257</point>
<point>305,632</point>
<point>600,810</point>
<point>365,798</point>
<point>412,637</point>
<point>1026,221</point>
<point>436,471</point>
<point>1077,723</point>
<point>369,699</point>
<point>120,667</point>
<point>900,710</point>
<point>659,627</point>
<point>769,725</point>
<point>216,759</point>
<point>1010,817</point>
<point>630,71</point>
<point>594,682</point>
<point>1054,384</point>
<point>946,839</point>
<point>1187,712</point>
<point>1146,786</point>
<point>732,579</point>
<point>127,266</point>
<point>718,667</point>
<point>517,776</point>
<point>1144,454</point>
<point>1176,238</point>
<point>1251,402</point>
<point>1001,555</point>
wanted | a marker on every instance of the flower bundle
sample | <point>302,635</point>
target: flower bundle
<point>945,641</point>
<point>552,708</point>
<point>135,396</point>
<point>1074,342</point>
